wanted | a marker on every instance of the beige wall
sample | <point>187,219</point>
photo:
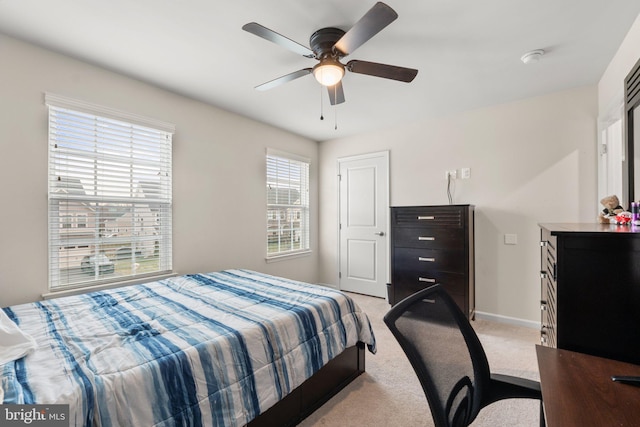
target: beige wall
<point>218,171</point>
<point>531,161</point>
<point>611,85</point>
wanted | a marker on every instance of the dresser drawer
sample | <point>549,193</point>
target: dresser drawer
<point>428,216</point>
<point>428,238</point>
<point>454,284</point>
<point>417,260</point>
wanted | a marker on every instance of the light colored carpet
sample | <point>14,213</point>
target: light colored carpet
<point>389,394</point>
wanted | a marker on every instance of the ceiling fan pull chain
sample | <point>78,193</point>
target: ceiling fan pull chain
<point>335,107</point>
<point>321,105</point>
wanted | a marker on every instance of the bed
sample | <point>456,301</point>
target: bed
<point>225,348</point>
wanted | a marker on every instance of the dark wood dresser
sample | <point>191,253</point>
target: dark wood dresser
<point>433,244</point>
<point>590,293</point>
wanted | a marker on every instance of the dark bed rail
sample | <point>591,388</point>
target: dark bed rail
<point>316,391</point>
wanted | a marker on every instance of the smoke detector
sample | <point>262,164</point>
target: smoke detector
<point>532,57</point>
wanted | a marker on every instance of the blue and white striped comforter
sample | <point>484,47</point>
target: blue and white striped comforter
<point>211,349</point>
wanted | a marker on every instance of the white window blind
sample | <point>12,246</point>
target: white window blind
<point>287,204</point>
<point>109,195</point>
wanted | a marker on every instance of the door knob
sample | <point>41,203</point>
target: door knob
<point>379,233</point>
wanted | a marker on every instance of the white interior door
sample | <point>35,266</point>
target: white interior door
<point>364,223</point>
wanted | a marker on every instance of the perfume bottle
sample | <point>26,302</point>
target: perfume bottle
<point>635,213</point>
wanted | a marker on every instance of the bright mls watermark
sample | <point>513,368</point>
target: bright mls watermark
<point>34,415</point>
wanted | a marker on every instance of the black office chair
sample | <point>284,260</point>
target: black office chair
<point>449,360</point>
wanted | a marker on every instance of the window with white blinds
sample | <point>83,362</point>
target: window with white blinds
<point>287,204</point>
<point>109,195</point>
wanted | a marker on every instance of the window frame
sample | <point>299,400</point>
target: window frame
<point>130,198</point>
<point>286,212</point>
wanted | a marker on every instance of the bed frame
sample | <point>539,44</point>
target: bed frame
<point>315,391</point>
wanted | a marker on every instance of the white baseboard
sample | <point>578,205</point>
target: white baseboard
<point>509,320</point>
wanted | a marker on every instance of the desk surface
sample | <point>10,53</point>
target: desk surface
<point>577,390</point>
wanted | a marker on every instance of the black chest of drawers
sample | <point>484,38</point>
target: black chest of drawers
<point>433,244</point>
<point>590,289</point>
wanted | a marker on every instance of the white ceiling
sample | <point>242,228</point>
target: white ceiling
<point>467,52</point>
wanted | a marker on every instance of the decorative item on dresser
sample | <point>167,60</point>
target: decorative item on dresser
<point>433,244</point>
<point>590,293</point>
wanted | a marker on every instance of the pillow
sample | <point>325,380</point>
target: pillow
<point>14,343</point>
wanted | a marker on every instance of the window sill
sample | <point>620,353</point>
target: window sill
<point>285,257</point>
<point>100,287</point>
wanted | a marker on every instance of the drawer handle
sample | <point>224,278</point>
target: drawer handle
<point>426,259</point>
<point>543,306</point>
<point>426,279</point>
<point>426,238</point>
<point>543,335</point>
<point>421,218</point>
<point>543,243</point>
<point>543,274</point>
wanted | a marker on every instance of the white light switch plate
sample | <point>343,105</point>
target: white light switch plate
<point>510,239</point>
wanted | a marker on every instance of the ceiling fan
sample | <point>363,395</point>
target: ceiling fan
<point>330,45</point>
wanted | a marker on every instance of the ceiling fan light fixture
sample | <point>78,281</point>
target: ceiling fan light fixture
<point>328,72</point>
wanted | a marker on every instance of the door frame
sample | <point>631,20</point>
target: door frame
<point>385,155</point>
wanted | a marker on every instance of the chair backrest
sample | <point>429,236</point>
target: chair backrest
<point>445,353</point>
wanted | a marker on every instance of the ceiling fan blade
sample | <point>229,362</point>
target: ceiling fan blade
<point>382,70</point>
<point>336,94</point>
<point>279,39</point>
<point>378,17</point>
<point>284,79</point>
